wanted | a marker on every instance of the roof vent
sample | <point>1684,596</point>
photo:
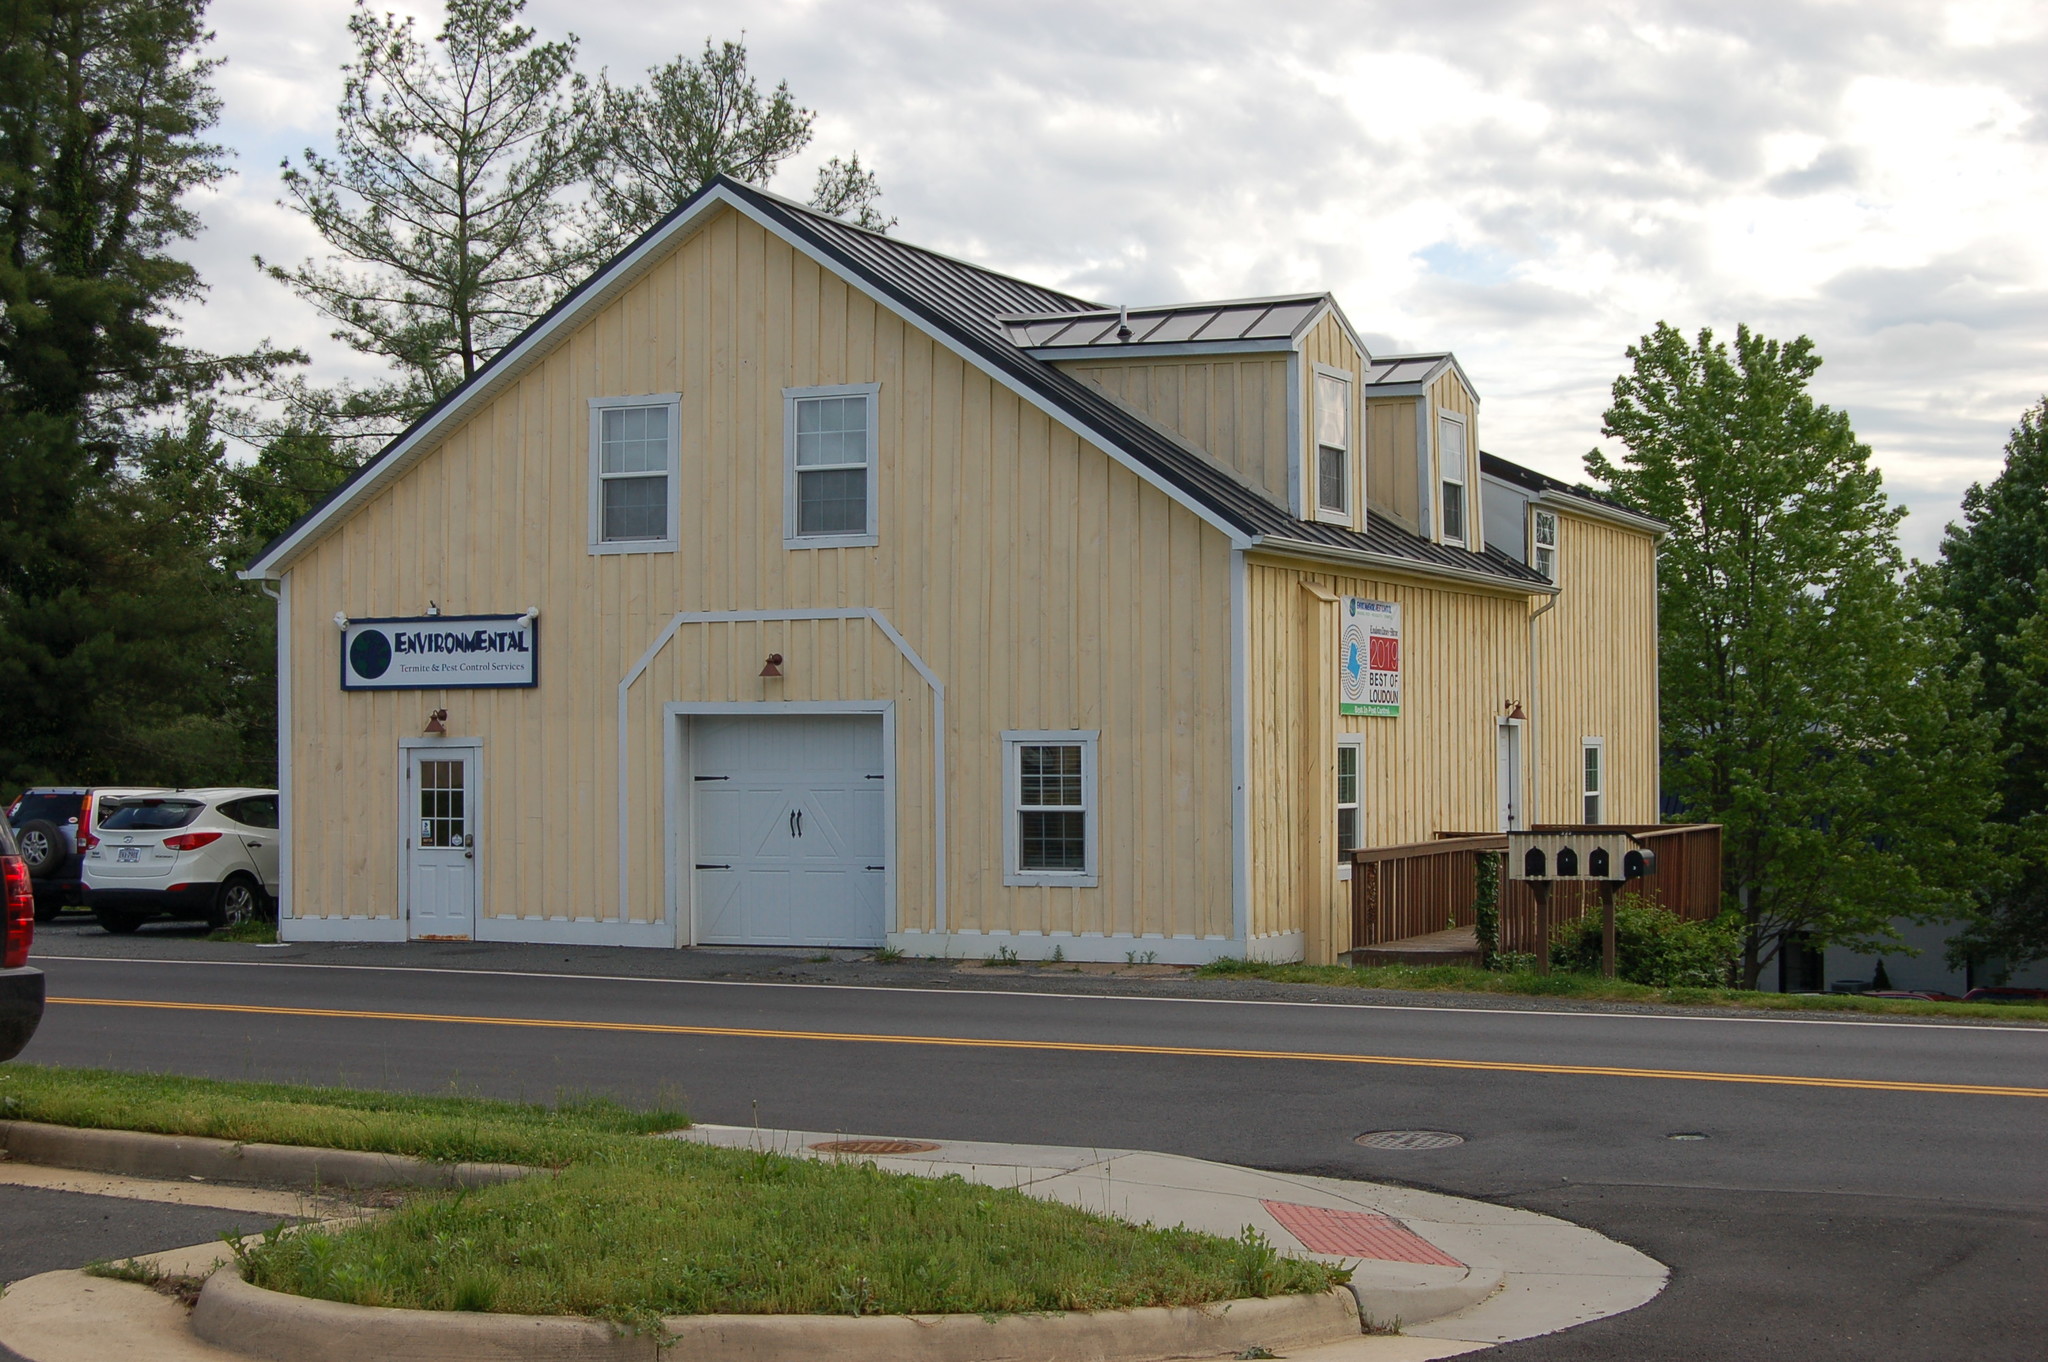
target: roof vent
<point>1123,322</point>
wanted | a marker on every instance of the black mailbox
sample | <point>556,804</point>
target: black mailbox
<point>1638,863</point>
<point>1533,866</point>
<point>1596,863</point>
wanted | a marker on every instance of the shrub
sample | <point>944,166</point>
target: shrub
<point>1652,945</point>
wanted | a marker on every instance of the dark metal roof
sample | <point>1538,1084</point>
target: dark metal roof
<point>1177,324</point>
<point>1493,465</point>
<point>1387,370</point>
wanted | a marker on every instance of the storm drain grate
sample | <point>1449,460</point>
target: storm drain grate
<point>874,1147</point>
<point>1409,1139</point>
<point>1356,1234</point>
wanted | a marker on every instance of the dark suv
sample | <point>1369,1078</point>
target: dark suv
<point>21,987</point>
<point>53,827</point>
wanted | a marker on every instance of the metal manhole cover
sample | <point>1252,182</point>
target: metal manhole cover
<point>1409,1139</point>
<point>874,1147</point>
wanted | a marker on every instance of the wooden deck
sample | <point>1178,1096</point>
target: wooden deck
<point>1457,946</point>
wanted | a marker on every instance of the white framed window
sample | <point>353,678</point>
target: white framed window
<point>635,459</point>
<point>1594,785</point>
<point>1450,462</point>
<point>1543,543</point>
<point>1050,834</point>
<point>1350,830</point>
<point>1333,444</point>
<point>829,461</point>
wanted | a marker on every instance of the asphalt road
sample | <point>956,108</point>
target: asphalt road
<point>1850,1197</point>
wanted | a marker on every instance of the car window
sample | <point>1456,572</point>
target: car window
<point>151,815</point>
<point>58,808</point>
<point>257,811</point>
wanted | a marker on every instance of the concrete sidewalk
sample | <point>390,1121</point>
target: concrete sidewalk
<point>1452,1274</point>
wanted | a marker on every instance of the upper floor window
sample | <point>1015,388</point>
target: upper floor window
<point>1595,786</point>
<point>1450,444</point>
<point>829,481</point>
<point>1543,543</point>
<point>1333,445</point>
<point>633,473</point>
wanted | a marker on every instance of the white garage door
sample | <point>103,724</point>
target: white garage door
<point>788,848</point>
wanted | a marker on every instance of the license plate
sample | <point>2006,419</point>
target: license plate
<point>127,855</point>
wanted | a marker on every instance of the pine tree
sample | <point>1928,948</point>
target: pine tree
<point>1809,701</point>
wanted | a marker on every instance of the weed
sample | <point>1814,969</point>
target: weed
<point>254,930</point>
<point>1141,957</point>
<point>1059,955</point>
<point>1004,958</point>
<point>887,955</point>
<point>821,959</point>
<point>136,1270</point>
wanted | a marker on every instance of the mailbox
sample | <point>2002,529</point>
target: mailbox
<point>1603,855</point>
<point>1638,863</point>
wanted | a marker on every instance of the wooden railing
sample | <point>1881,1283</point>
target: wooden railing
<point>1403,891</point>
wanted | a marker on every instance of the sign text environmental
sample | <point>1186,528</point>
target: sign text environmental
<point>1369,658</point>
<point>440,652</point>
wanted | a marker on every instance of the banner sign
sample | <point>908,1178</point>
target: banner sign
<point>440,652</point>
<point>1369,658</point>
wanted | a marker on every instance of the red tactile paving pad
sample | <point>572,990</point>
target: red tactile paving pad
<point>1356,1234</point>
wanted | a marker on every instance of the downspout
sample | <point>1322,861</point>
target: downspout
<point>1535,711</point>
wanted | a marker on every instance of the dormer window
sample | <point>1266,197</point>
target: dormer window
<point>1450,445</point>
<point>1333,446</point>
<point>1543,543</point>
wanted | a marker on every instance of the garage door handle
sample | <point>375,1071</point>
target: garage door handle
<point>878,867</point>
<point>714,867</point>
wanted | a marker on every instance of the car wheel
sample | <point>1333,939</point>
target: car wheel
<point>117,922</point>
<point>240,901</point>
<point>42,847</point>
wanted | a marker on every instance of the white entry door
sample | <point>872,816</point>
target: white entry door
<point>789,843</point>
<point>1510,775</point>
<point>440,843</point>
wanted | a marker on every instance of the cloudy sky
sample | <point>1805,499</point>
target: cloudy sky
<point>1531,185</point>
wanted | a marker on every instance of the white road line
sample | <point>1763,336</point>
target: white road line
<point>2016,1028</point>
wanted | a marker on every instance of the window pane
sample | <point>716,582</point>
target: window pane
<point>1330,490</point>
<point>635,508</point>
<point>1592,768</point>
<point>1454,511</point>
<point>1052,841</point>
<point>633,440</point>
<point>831,430</point>
<point>1450,439</point>
<point>832,503</point>
<point>1347,775</point>
<point>1546,564</point>
<point>1333,411</point>
<point>1049,776</point>
<point>1592,808</point>
<point>1546,529</point>
<point>1347,829</point>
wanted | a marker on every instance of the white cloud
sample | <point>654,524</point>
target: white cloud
<point>1532,184</point>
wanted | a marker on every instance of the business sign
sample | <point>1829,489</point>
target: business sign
<point>1369,659</point>
<point>440,652</point>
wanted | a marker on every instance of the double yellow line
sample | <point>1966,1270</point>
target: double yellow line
<point>1072,1047</point>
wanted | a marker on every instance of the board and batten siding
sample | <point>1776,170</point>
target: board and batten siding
<point>1391,462</point>
<point>1465,657</point>
<point>1231,407</point>
<point>1044,584</point>
<point>1596,672</point>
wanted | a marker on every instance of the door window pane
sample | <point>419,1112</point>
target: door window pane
<point>443,820</point>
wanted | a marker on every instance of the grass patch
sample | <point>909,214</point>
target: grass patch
<point>1594,988</point>
<point>445,1129</point>
<point>669,1228</point>
<point>254,930</point>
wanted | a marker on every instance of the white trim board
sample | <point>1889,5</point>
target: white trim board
<point>603,287</point>
<point>880,621</point>
<point>680,907</point>
<point>341,929</point>
<point>1085,947</point>
<point>285,829</point>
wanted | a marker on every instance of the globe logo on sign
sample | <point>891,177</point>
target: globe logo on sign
<point>370,655</point>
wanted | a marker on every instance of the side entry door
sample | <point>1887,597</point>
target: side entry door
<point>440,843</point>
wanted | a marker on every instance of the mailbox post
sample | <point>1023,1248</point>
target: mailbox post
<point>1608,857</point>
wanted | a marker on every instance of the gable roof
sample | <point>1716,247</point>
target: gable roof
<point>1548,488</point>
<point>965,306</point>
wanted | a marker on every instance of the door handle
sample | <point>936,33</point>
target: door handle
<point>799,822</point>
<point>469,846</point>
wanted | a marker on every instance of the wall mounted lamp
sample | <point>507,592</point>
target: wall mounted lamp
<point>773,667</point>
<point>340,619</point>
<point>531,614</point>
<point>437,723</point>
<point>1515,710</point>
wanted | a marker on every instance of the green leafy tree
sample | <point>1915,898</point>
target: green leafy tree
<point>1810,703</point>
<point>104,107</point>
<point>450,203</point>
<point>693,120</point>
<point>1993,574</point>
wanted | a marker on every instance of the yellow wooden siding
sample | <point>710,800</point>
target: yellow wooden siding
<point>1327,344</point>
<point>1449,394</point>
<point>1390,462</point>
<point>1048,588</point>
<point>1232,407</point>
<point>1464,660</point>
<point>1596,660</point>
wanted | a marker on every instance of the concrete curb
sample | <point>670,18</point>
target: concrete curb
<point>180,1157</point>
<point>248,1319</point>
<point>1393,1306</point>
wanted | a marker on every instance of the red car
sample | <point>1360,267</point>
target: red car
<point>2006,995</point>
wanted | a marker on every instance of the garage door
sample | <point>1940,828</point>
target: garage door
<point>788,844</point>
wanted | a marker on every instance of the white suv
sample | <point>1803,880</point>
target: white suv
<point>206,854</point>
